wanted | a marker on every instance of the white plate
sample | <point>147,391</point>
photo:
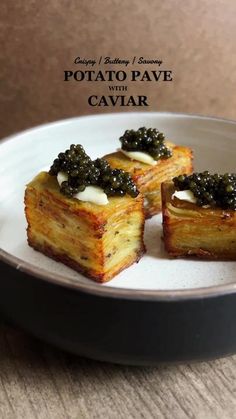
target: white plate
<point>24,155</point>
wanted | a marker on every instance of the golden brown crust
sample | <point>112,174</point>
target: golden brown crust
<point>88,238</point>
<point>190,230</point>
<point>149,178</point>
<point>90,273</point>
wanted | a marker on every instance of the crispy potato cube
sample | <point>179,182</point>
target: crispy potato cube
<point>149,178</point>
<point>190,230</point>
<point>99,241</point>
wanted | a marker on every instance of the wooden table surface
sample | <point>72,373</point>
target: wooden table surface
<point>39,381</point>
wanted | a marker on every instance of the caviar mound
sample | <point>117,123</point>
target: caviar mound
<point>214,190</point>
<point>82,171</point>
<point>148,140</point>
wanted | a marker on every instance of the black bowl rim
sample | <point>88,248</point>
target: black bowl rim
<point>91,287</point>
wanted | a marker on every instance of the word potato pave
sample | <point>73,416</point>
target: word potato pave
<point>149,178</point>
<point>191,230</point>
<point>99,241</point>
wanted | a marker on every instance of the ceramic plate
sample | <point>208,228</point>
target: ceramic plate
<point>156,275</point>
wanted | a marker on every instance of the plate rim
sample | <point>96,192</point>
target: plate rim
<point>96,288</point>
<point>116,115</point>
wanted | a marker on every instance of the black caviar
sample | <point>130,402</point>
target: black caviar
<point>210,189</point>
<point>148,140</point>
<point>82,172</point>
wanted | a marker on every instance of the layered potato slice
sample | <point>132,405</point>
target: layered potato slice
<point>190,230</point>
<point>149,178</point>
<point>96,240</point>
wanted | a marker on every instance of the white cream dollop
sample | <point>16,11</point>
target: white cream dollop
<point>62,177</point>
<point>140,156</point>
<point>93,194</point>
<point>186,195</point>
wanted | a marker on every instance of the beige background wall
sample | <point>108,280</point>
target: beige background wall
<point>40,39</point>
